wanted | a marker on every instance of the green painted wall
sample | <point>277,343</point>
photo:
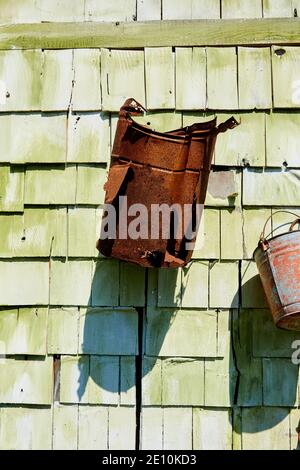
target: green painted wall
<point>216,373</point>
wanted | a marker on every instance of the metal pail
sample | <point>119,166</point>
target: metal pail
<point>278,262</point>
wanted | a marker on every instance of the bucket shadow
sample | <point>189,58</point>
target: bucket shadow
<point>112,337</point>
<point>263,381</point>
<point>266,384</point>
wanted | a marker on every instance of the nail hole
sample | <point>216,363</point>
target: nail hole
<point>285,163</point>
<point>295,13</point>
<point>148,123</point>
<point>7,94</point>
<point>280,52</point>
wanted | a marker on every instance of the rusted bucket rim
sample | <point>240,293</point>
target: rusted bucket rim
<point>264,241</point>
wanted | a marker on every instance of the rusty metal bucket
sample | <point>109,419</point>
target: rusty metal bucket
<point>278,262</point>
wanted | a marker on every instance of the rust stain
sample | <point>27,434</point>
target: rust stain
<point>165,168</point>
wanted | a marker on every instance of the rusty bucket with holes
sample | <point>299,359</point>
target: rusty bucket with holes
<point>152,169</point>
<point>278,262</point>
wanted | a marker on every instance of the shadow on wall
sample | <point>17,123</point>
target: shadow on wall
<point>263,380</point>
<point>266,380</point>
<point>113,336</point>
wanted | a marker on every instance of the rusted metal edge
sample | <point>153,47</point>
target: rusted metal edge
<point>131,35</point>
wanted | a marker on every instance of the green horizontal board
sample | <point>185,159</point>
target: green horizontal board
<point>26,381</point>
<point>108,331</point>
<point>150,34</point>
<point>23,331</point>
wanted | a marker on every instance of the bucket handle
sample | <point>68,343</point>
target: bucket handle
<point>262,238</point>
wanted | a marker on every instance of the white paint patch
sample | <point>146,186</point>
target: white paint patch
<point>296,92</point>
<point>2,92</point>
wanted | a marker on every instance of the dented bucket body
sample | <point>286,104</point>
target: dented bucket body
<point>152,168</point>
<point>278,262</point>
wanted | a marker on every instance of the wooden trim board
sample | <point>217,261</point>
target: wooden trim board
<point>256,32</point>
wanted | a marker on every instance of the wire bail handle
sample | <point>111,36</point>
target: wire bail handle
<point>263,239</point>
